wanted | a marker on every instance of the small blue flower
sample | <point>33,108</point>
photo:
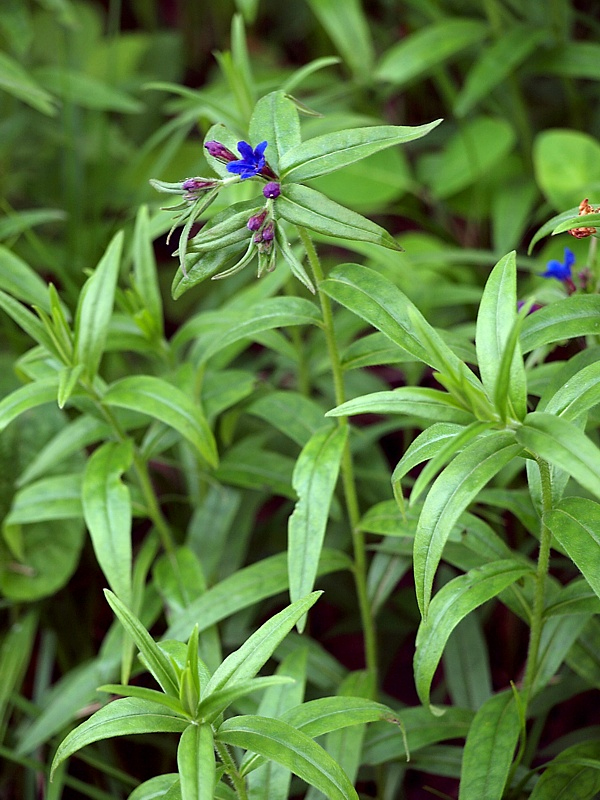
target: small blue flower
<point>558,270</point>
<point>252,161</point>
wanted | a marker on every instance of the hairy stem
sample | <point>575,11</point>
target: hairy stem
<point>347,467</point>
<point>231,769</point>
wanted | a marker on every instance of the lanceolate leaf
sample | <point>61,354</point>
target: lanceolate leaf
<point>575,522</point>
<point>244,588</point>
<point>434,44</point>
<point>275,119</point>
<point>349,30</point>
<point>333,151</point>
<point>564,445</point>
<point>314,480</point>
<point>311,209</point>
<point>165,402</point>
<point>574,773</point>
<point>216,702</point>
<point>496,317</point>
<point>327,714</point>
<point>580,393</point>
<point>196,763</point>
<point>107,513</point>
<point>95,308</point>
<point>449,496</point>
<point>451,604</point>
<point>414,400</point>
<point>26,397</point>
<point>425,446</point>
<point>495,64</point>
<point>489,748</point>
<point>578,315</point>
<point>157,662</point>
<point>280,742</point>
<point>26,320</point>
<point>120,718</point>
<point>144,268</point>
<point>250,657</point>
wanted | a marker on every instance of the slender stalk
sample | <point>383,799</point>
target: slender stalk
<point>540,581</point>
<point>232,770</point>
<point>347,468</point>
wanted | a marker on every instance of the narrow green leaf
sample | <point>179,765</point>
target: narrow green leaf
<point>574,773</point>
<point>418,53</point>
<point>271,781</point>
<point>443,455</point>
<point>275,120</point>
<point>244,588</point>
<point>310,209</point>
<point>28,321</point>
<point>296,416</point>
<point>452,603</point>
<point>467,666</point>
<point>348,28</point>
<point>202,265</point>
<point>578,315</point>
<point>71,439</point>
<point>15,81</point>
<point>418,401</point>
<point>328,714</point>
<point>571,59</point>
<point>549,227</point>
<point>67,383</point>
<point>57,497</point>
<point>449,496</point>
<point>422,448</point>
<point>156,788</point>
<point>383,744</point>
<point>249,658</point>
<point>216,702</point>
<point>142,693</point>
<point>161,400</point>
<point>157,662</point>
<point>496,63</point>
<point>107,513</point>
<point>332,151</point>
<point>280,742</point>
<point>275,312</point>
<point>29,396</point>
<point>489,748</point>
<point>196,763</point>
<point>495,320</point>
<point>19,279</point>
<point>575,598</point>
<point>95,307</point>
<point>580,393</point>
<point>575,523</point>
<point>76,87</point>
<point>119,718</point>
<point>145,274</point>
<point>564,445</point>
<point>314,480</point>
<point>15,652</point>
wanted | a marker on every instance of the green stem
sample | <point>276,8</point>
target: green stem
<point>231,770</point>
<point>540,582</point>
<point>347,467</point>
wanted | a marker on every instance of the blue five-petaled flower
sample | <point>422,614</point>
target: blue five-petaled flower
<point>560,270</point>
<point>252,161</point>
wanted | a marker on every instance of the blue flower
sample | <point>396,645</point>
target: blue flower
<point>252,161</point>
<point>560,270</point>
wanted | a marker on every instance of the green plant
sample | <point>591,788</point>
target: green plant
<point>246,441</point>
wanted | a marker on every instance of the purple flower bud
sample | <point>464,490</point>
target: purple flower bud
<point>255,222</point>
<point>268,232</point>
<point>272,190</point>
<point>220,152</point>
<point>197,185</point>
